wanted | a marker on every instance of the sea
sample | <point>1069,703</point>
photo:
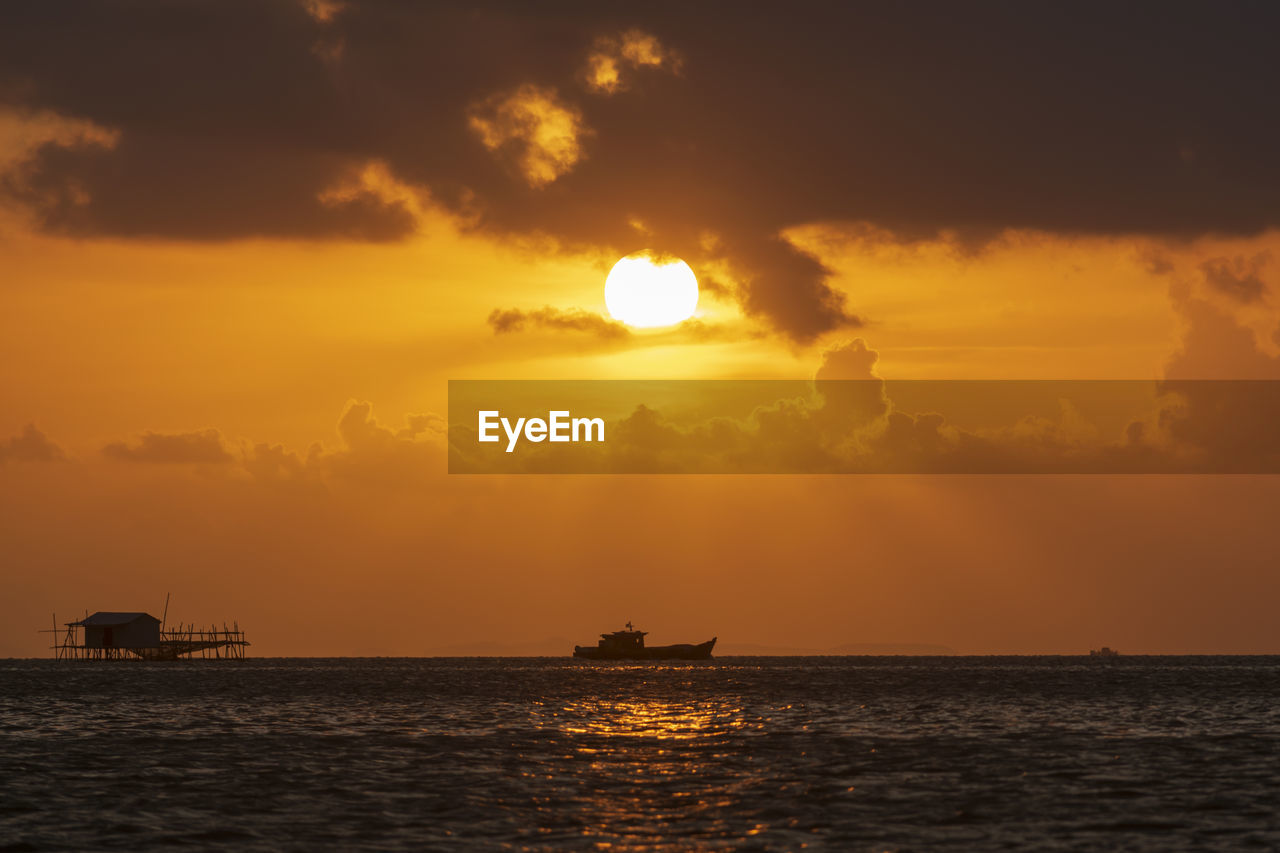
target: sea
<point>737,753</point>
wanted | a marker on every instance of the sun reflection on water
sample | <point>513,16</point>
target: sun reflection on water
<point>639,764</point>
<point>650,718</point>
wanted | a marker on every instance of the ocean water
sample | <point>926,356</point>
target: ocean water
<point>738,753</point>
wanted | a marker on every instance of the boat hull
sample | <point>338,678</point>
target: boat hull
<point>680,651</point>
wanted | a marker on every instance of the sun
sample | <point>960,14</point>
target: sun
<point>643,292</point>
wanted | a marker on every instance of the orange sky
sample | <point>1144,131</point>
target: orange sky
<point>267,342</point>
<point>351,539</point>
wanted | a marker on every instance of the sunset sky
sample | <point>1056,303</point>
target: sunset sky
<point>245,245</point>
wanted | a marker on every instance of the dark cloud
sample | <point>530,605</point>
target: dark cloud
<point>1156,262</point>
<point>31,445</point>
<point>1221,393</point>
<point>1224,426</point>
<point>1215,346</point>
<point>788,288</point>
<point>236,117</point>
<point>1239,277</point>
<point>848,360</point>
<point>201,447</point>
<point>573,320</point>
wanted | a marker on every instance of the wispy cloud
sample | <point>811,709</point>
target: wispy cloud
<point>509,320</point>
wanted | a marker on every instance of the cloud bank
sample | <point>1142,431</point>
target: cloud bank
<point>699,120</point>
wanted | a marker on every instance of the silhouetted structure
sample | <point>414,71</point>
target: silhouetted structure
<point>629,645</point>
<point>1104,652</point>
<point>111,635</point>
<point>106,631</point>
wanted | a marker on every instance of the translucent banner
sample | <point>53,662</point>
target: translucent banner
<point>863,427</point>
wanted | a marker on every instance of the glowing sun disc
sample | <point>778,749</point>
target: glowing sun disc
<point>646,293</point>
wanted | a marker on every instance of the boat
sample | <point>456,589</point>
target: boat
<point>1104,652</point>
<point>629,645</point>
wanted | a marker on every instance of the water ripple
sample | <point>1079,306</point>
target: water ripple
<point>740,753</point>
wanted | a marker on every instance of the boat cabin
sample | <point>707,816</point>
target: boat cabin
<point>622,641</point>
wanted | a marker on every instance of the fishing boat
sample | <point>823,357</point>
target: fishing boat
<point>1104,652</point>
<point>629,645</point>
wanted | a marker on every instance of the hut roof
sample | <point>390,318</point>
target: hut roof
<point>106,618</point>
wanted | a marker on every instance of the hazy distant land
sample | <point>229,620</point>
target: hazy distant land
<point>560,647</point>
